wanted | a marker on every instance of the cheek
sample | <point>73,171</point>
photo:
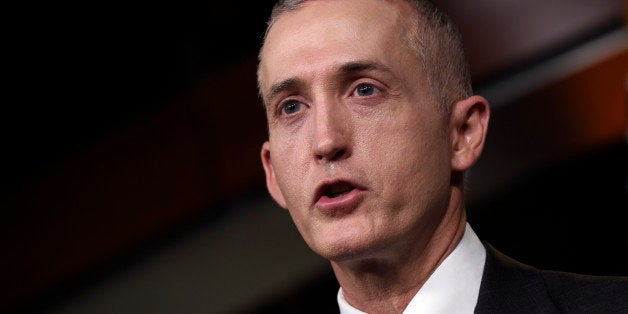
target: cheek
<point>290,169</point>
<point>412,163</point>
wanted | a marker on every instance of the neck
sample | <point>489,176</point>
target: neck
<point>387,284</point>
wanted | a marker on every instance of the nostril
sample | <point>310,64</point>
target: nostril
<point>333,156</point>
<point>331,149</point>
<point>339,154</point>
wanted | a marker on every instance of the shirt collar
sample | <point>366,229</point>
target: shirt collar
<point>457,278</point>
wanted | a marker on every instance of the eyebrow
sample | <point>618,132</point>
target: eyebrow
<point>287,84</point>
<point>359,66</point>
<point>345,69</point>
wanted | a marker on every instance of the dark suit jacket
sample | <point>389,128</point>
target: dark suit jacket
<point>509,286</point>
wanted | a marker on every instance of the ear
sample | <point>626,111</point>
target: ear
<point>469,124</point>
<point>271,180</point>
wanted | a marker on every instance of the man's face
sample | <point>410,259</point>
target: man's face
<point>357,150</point>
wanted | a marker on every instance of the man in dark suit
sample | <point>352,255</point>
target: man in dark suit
<point>372,124</point>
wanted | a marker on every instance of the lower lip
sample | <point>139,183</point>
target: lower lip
<point>340,205</point>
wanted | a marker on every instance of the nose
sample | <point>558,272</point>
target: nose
<point>332,132</point>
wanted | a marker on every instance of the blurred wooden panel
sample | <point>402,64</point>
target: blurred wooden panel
<point>573,116</point>
<point>504,35</point>
<point>551,187</point>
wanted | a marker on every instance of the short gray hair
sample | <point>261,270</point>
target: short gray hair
<point>438,43</point>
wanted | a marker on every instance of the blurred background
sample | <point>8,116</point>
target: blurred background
<point>131,180</point>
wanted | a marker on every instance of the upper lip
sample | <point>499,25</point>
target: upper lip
<point>323,186</point>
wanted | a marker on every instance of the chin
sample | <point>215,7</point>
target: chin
<point>348,246</point>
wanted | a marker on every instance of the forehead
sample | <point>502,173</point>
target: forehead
<point>324,33</point>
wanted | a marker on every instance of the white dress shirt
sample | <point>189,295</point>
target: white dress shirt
<point>452,288</point>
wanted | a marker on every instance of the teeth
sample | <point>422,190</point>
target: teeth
<point>338,189</point>
<point>332,195</point>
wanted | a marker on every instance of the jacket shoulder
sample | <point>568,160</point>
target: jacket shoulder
<point>576,293</point>
<point>509,286</point>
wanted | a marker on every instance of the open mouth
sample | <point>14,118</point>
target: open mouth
<point>338,197</point>
<point>337,189</point>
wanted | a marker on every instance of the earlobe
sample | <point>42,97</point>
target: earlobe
<point>271,179</point>
<point>469,125</point>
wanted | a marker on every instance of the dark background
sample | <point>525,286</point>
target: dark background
<point>126,130</point>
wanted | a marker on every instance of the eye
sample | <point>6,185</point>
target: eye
<point>365,90</point>
<point>291,107</point>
